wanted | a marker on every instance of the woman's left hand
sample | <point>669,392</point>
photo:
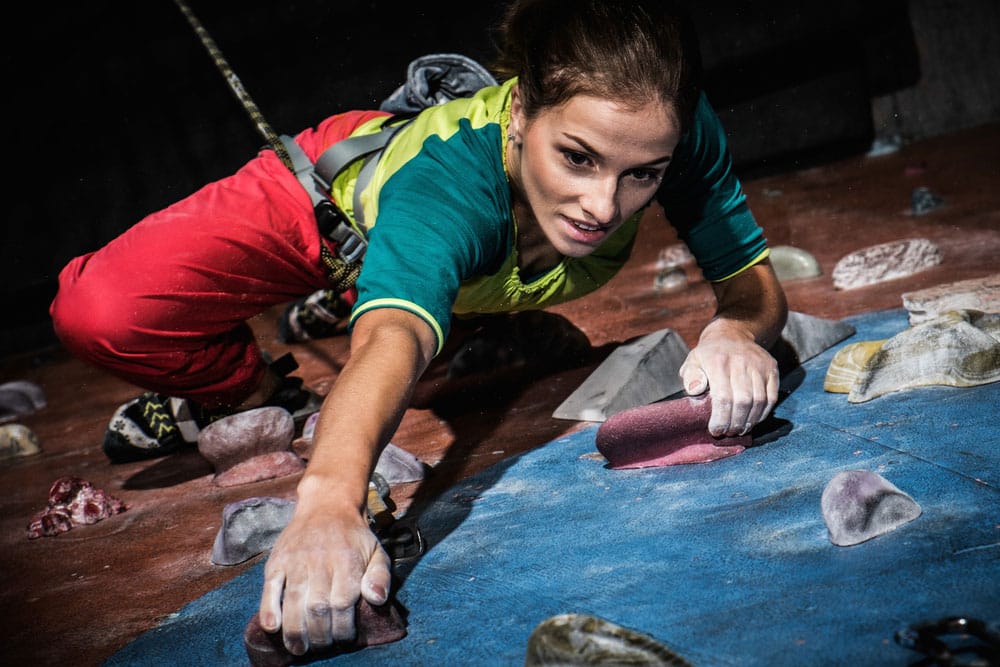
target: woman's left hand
<point>730,359</point>
<point>742,375</point>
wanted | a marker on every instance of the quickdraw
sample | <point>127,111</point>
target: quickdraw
<point>400,538</point>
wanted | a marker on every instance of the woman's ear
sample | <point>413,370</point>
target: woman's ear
<point>516,114</point>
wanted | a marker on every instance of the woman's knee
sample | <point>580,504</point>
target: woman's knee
<point>88,312</point>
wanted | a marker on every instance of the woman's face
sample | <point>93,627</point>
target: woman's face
<point>584,167</point>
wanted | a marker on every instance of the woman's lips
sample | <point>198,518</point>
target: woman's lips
<point>583,231</point>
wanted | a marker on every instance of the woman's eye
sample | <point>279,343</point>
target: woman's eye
<point>645,174</point>
<point>576,159</point>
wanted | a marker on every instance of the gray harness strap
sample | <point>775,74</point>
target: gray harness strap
<point>336,158</point>
<point>430,80</point>
<point>318,179</point>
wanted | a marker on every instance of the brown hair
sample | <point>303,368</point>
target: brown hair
<point>630,51</point>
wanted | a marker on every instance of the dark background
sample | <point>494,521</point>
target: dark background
<point>114,109</point>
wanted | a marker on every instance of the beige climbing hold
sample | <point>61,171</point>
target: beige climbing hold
<point>791,263</point>
<point>671,280</point>
<point>886,261</point>
<point>580,639</point>
<point>974,294</point>
<point>674,256</point>
<point>959,349</point>
<point>848,363</point>
<point>17,440</point>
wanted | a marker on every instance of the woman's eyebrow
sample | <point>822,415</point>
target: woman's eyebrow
<point>596,154</point>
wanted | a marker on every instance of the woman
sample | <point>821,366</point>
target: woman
<point>525,195</point>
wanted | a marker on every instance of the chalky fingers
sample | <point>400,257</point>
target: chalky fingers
<point>294,622</point>
<point>758,406</point>
<point>270,600</point>
<point>720,423</point>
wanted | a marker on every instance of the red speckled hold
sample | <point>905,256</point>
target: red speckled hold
<point>72,502</point>
<point>665,433</point>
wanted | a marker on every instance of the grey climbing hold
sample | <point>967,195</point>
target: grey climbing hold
<point>806,336</point>
<point>250,527</point>
<point>20,398</point>
<point>637,373</point>
<point>922,200</point>
<point>396,465</point>
<point>858,505</point>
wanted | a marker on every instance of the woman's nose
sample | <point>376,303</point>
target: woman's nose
<point>600,202</point>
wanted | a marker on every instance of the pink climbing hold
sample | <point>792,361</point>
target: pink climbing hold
<point>251,446</point>
<point>665,433</point>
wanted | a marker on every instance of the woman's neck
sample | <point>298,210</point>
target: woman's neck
<point>535,255</point>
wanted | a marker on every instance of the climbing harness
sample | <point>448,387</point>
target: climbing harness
<point>431,79</point>
<point>344,266</point>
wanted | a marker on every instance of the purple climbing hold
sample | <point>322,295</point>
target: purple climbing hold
<point>375,625</point>
<point>859,505</point>
<point>665,433</point>
<point>73,501</point>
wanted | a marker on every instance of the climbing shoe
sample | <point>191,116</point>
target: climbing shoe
<point>319,315</point>
<point>143,428</point>
<point>154,425</point>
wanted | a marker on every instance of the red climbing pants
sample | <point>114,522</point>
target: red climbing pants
<point>165,305</point>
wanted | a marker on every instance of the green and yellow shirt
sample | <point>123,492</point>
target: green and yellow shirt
<point>441,229</point>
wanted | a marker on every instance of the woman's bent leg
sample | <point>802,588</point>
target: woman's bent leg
<point>164,306</point>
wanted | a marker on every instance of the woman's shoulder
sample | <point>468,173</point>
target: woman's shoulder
<point>452,154</point>
<point>480,118</point>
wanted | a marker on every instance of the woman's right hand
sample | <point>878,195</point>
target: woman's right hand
<point>322,563</point>
<point>327,558</point>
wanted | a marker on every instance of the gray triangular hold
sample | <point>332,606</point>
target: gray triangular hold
<point>806,336</point>
<point>637,373</point>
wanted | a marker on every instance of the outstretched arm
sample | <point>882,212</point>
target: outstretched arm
<point>731,357</point>
<point>327,557</point>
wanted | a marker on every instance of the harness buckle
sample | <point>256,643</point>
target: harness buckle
<point>333,224</point>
